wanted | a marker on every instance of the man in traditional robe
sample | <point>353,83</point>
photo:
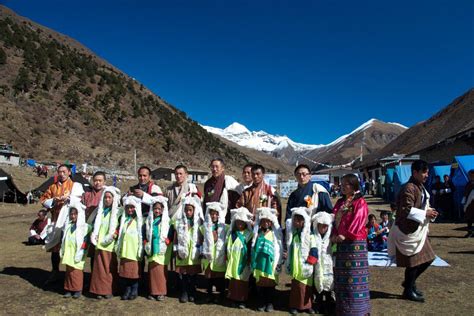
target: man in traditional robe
<point>308,194</point>
<point>246,182</point>
<point>144,189</point>
<point>91,198</point>
<point>181,188</point>
<point>217,187</point>
<point>246,179</point>
<point>53,200</point>
<point>259,194</point>
<point>408,239</point>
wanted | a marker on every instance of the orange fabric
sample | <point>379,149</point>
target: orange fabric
<point>57,189</point>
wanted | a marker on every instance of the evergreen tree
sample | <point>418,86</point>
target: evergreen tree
<point>3,57</point>
<point>22,82</point>
<point>72,98</point>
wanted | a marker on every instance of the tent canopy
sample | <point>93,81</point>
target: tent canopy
<point>401,176</point>
<point>460,178</point>
<point>8,191</point>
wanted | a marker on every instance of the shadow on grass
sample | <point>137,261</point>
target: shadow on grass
<point>37,277</point>
<point>466,252</point>
<point>445,237</point>
<point>377,294</point>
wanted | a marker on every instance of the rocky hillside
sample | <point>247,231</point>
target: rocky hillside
<point>455,118</point>
<point>59,101</point>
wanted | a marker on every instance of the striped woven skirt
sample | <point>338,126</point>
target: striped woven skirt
<point>351,276</point>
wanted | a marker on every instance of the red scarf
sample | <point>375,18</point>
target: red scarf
<point>213,189</point>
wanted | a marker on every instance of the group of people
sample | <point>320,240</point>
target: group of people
<point>377,233</point>
<point>232,234</point>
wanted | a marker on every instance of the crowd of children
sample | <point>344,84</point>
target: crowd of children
<point>244,257</point>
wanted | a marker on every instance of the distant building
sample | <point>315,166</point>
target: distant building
<point>335,174</point>
<point>194,176</point>
<point>8,156</point>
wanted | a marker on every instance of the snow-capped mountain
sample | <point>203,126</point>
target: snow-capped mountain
<point>371,135</point>
<point>260,140</point>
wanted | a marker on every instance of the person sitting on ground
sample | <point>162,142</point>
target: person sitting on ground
<point>386,223</point>
<point>37,229</point>
<point>375,241</point>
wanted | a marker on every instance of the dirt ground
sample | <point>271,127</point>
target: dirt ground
<point>23,270</point>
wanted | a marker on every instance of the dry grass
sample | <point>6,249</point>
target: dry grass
<point>23,269</point>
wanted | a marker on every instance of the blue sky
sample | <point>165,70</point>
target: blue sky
<point>312,70</point>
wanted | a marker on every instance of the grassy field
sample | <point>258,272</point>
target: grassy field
<point>23,270</point>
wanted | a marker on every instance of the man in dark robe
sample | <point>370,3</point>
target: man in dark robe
<point>308,194</point>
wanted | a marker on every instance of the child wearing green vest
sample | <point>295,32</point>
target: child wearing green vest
<point>301,258</point>
<point>267,255</point>
<point>129,247</point>
<point>214,232</point>
<point>105,278</point>
<point>158,246</point>
<point>238,256</point>
<point>188,247</point>
<point>73,246</point>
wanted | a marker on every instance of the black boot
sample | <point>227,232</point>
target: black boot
<point>183,278</point>
<point>126,294</point>
<point>417,292</point>
<point>133,290</point>
<point>409,294</point>
<point>192,288</point>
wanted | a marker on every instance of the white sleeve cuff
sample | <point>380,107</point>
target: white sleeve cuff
<point>48,203</point>
<point>417,215</point>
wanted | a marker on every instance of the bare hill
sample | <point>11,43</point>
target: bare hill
<point>454,119</point>
<point>372,136</point>
<point>59,101</point>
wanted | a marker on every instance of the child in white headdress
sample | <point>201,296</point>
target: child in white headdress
<point>105,278</point>
<point>188,247</point>
<point>214,232</point>
<point>129,246</point>
<point>323,270</point>
<point>302,256</point>
<point>158,246</point>
<point>267,255</point>
<point>238,255</point>
<point>73,248</point>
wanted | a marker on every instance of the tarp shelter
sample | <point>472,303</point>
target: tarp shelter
<point>8,191</point>
<point>31,162</point>
<point>437,170</point>
<point>389,185</point>
<point>76,177</point>
<point>460,178</point>
<point>401,175</point>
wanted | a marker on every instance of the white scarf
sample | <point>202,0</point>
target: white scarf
<point>307,269</point>
<point>410,244</point>
<point>209,236</point>
<point>164,225</point>
<point>131,200</point>
<point>81,229</point>
<point>99,213</point>
<point>182,228</point>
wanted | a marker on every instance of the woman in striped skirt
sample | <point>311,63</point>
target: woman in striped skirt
<point>351,272</point>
